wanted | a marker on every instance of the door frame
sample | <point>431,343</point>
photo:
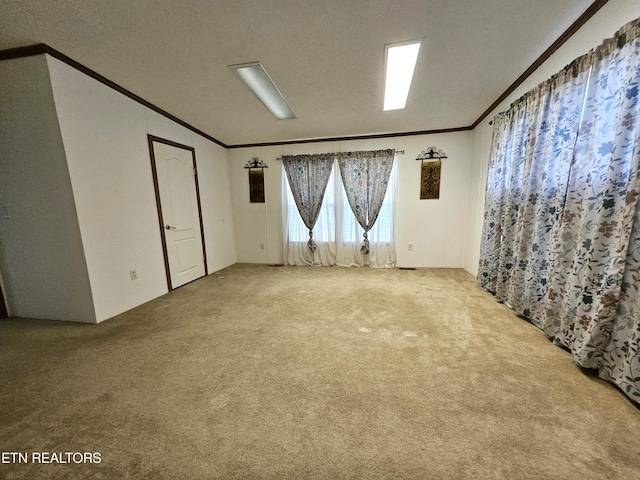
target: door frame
<point>151,139</point>
<point>3,306</point>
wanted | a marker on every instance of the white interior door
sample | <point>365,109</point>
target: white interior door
<point>180,215</point>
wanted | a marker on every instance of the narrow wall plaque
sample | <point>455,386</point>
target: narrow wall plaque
<point>256,179</point>
<point>256,185</point>
<point>430,180</point>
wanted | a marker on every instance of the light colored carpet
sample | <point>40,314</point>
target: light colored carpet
<point>259,372</point>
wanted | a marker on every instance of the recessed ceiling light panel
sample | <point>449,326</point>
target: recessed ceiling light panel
<point>400,62</point>
<point>257,79</point>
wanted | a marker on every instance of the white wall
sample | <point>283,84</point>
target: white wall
<point>74,230</point>
<point>602,25</point>
<point>435,227</point>
<point>215,196</point>
<point>105,139</point>
<point>214,184</point>
<point>41,253</point>
<point>77,187</point>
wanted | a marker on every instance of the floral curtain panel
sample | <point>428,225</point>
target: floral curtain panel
<point>308,176</point>
<point>365,176</point>
<point>514,184</point>
<point>621,356</point>
<point>558,241</point>
<point>602,191</point>
<point>553,112</point>
<point>491,239</point>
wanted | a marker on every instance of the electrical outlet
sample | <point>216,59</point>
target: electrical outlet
<point>410,247</point>
<point>133,274</point>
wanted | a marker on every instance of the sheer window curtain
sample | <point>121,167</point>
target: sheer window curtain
<point>337,233</point>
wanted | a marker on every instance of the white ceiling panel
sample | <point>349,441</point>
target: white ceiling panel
<point>326,56</point>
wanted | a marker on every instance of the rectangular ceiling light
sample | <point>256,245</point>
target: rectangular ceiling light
<point>400,62</point>
<point>257,79</point>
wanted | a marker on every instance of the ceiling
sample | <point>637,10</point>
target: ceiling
<point>326,56</point>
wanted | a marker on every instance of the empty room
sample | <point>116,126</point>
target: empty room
<point>278,239</point>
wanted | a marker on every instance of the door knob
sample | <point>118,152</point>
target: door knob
<point>169,227</point>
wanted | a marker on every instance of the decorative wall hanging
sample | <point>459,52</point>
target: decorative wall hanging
<point>430,172</point>
<point>256,179</point>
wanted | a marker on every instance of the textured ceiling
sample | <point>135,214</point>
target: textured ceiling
<point>325,56</point>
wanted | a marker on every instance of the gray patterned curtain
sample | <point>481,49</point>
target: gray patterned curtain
<point>514,184</point>
<point>365,176</point>
<point>553,111</point>
<point>621,356</point>
<point>594,235</point>
<point>491,239</point>
<point>308,176</point>
<point>560,240</point>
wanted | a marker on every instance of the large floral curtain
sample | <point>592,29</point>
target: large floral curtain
<point>365,176</point>
<point>308,176</point>
<point>560,206</point>
<point>602,191</point>
<point>544,154</point>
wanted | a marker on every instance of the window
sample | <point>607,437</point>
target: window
<point>382,231</point>
<point>325,228</point>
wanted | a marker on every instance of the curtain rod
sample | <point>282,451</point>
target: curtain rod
<point>399,152</point>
